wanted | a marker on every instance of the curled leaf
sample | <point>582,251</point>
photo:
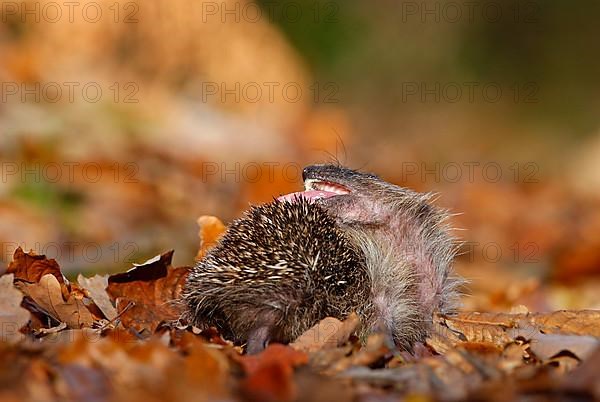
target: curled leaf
<point>48,296</point>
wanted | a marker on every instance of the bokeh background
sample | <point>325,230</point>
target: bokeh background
<point>123,122</point>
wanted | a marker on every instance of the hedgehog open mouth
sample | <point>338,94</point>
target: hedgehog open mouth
<point>315,189</point>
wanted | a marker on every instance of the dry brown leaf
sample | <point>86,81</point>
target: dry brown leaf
<point>502,328</point>
<point>30,267</point>
<point>206,368</point>
<point>270,373</point>
<point>328,333</point>
<point>513,356</point>
<point>13,317</point>
<point>211,230</point>
<point>47,294</point>
<point>148,292</point>
<point>136,370</point>
<point>96,288</point>
<point>582,322</point>
<point>79,383</point>
<point>273,354</point>
<point>548,346</point>
<point>585,377</point>
<point>374,350</point>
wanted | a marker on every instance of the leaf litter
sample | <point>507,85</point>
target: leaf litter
<point>119,337</point>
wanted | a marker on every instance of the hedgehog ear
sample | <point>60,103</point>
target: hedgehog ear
<point>258,339</point>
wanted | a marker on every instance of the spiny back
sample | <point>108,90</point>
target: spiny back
<point>283,263</point>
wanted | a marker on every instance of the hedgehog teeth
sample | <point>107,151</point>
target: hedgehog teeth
<point>321,185</point>
<point>315,189</point>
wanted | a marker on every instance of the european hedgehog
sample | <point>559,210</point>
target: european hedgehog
<point>349,242</point>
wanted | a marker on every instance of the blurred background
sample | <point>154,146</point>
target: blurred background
<point>122,122</point>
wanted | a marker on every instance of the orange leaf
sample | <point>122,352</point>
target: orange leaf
<point>270,373</point>
<point>149,292</point>
<point>211,229</point>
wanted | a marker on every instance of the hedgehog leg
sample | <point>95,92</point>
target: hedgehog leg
<point>258,339</point>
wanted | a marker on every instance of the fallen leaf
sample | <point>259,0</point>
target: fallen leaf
<point>96,287</point>
<point>585,377</point>
<point>13,317</point>
<point>47,294</point>
<point>548,346</point>
<point>79,382</point>
<point>374,349</point>
<point>273,354</point>
<point>30,267</point>
<point>150,292</point>
<point>205,367</point>
<point>270,373</point>
<point>502,328</point>
<point>327,333</point>
<point>211,230</point>
<point>581,322</point>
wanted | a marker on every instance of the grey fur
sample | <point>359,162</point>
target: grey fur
<point>381,250</point>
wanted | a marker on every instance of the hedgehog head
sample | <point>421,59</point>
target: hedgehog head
<point>357,198</point>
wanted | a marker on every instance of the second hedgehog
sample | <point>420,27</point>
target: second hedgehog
<point>349,242</point>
